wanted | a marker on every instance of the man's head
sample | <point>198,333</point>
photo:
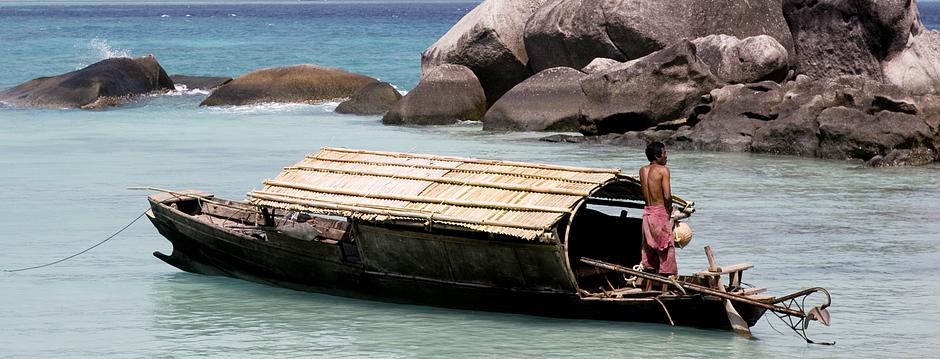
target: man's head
<point>656,152</point>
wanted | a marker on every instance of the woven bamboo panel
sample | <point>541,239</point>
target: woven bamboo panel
<point>516,199</point>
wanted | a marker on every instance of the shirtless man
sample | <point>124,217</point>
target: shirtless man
<point>658,253</point>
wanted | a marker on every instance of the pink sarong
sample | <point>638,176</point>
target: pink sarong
<point>658,251</point>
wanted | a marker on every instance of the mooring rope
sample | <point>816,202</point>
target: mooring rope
<point>83,251</point>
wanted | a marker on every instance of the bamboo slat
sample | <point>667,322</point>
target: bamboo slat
<point>447,180</point>
<point>474,160</point>
<point>506,172</point>
<point>494,205</point>
<point>385,212</point>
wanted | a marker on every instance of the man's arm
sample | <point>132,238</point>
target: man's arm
<point>667,190</point>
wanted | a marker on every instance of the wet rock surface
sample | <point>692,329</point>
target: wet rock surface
<point>107,83</point>
<point>290,84</point>
<point>200,82</point>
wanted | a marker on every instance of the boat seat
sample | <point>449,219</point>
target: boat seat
<point>734,272</point>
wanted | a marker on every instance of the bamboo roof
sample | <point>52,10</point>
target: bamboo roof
<point>517,199</point>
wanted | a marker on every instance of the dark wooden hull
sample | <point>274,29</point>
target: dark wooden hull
<point>200,247</point>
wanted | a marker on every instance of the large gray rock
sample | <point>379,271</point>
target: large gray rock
<point>488,41</point>
<point>291,84</point>
<point>574,32</point>
<point>842,118</point>
<point>636,95</point>
<point>109,82</point>
<point>846,133</point>
<point>548,101</point>
<point>738,111</point>
<point>917,67</point>
<point>373,99</point>
<point>445,95</point>
<point>849,37</point>
<point>752,59</point>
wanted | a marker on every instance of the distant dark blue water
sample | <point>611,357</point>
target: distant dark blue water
<point>869,235</point>
<point>382,40</point>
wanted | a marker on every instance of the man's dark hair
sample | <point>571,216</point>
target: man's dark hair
<point>654,150</point>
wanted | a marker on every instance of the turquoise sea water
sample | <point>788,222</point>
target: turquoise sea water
<point>872,236</point>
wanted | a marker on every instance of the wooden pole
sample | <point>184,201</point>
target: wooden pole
<point>696,287</point>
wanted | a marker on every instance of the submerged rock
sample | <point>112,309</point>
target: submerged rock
<point>200,82</point>
<point>373,99</point>
<point>109,82</point>
<point>291,84</point>
<point>445,95</point>
<point>549,101</point>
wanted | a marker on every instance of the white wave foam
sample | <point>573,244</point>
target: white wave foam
<point>182,90</point>
<point>99,49</point>
<point>164,15</point>
<point>276,108</point>
<point>105,51</point>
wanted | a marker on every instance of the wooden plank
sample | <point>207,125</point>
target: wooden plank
<point>736,268</point>
<point>737,323</point>
<point>751,291</point>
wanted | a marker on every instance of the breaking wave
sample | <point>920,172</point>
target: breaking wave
<point>99,49</point>
<point>182,90</point>
<point>277,108</point>
<point>105,51</point>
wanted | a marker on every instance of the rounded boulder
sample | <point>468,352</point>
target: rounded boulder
<point>373,99</point>
<point>445,95</point>
<point>548,101</point>
<point>109,82</point>
<point>291,84</point>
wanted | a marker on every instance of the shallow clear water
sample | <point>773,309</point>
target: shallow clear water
<point>869,235</point>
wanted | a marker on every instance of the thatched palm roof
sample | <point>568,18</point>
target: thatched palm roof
<point>516,199</point>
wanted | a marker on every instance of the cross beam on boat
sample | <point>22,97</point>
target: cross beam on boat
<point>790,308</point>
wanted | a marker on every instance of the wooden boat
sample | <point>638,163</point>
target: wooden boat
<point>455,232</point>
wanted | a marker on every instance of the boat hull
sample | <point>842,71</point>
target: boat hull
<point>202,248</point>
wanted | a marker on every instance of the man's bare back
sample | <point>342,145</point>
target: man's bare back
<point>654,180</point>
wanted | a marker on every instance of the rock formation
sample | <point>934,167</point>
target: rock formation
<point>109,82</point>
<point>291,84</point>
<point>549,101</point>
<point>488,41</point>
<point>200,82</point>
<point>445,95</point>
<point>572,33</point>
<point>373,99</point>
<point>752,59</point>
<point>632,96</point>
<point>883,40</point>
